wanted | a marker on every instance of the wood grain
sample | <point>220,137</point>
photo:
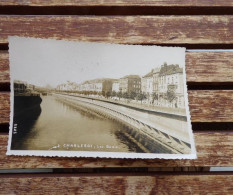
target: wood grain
<point>200,67</point>
<point>214,149</point>
<point>209,66</point>
<point>211,105</point>
<point>4,107</point>
<point>113,184</point>
<point>205,106</point>
<point>119,29</point>
<point>4,67</point>
<point>169,3</point>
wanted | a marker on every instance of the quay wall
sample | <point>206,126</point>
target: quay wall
<point>147,142</point>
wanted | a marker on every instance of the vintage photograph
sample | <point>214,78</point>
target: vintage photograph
<point>89,99</point>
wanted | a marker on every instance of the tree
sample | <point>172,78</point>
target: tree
<point>170,95</point>
<point>103,93</point>
<point>119,95</point>
<point>132,95</point>
<point>141,96</point>
<point>113,94</point>
<point>154,97</point>
<point>125,95</point>
<point>108,94</point>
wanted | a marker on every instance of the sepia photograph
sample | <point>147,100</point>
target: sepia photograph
<point>87,99</point>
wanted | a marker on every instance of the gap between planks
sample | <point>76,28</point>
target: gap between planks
<point>102,10</point>
<point>217,47</point>
<point>113,174</point>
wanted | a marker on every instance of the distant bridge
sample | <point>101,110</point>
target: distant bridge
<point>149,132</point>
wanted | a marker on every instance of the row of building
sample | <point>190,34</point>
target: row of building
<point>158,81</point>
<point>22,87</point>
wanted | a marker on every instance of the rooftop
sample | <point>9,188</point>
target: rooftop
<point>170,69</point>
<point>99,80</point>
<point>131,77</point>
<point>150,74</point>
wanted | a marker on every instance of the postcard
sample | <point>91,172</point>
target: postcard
<point>88,99</point>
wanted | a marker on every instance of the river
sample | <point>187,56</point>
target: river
<point>62,127</point>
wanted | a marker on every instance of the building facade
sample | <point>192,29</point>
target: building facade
<point>97,85</point>
<point>116,86</point>
<point>69,86</point>
<point>171,85</point>
<point>147,84</point>
<point>156,80</point>
<point>130,83</point>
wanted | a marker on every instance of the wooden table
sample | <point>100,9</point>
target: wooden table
<point>200,24</point>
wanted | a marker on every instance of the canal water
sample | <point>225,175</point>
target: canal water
<point>63,127</point>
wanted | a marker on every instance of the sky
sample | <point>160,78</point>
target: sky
<point>45,62</point>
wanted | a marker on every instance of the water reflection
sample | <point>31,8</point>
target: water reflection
<point>62,127</point>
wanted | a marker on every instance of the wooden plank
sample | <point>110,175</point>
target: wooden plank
<point>4,107</point>
<point>200,67</point>
<point>116,184</point>
<point>4,67</point>
<point>205,106</point>
<point>169,3</point>
<point>209,66</point>
<point>211,105</point>
<point>122,29</point>
<point>214,149</point>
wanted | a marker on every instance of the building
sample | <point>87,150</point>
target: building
<point>171,80</point>
<point>97,85</point>
<point>130,83</point>
<point>61,87</point>
<point>116,86</point>
<point>20,86</point>
<point>69,86</point>
<point>156,72</point>
<point>147,84</point>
